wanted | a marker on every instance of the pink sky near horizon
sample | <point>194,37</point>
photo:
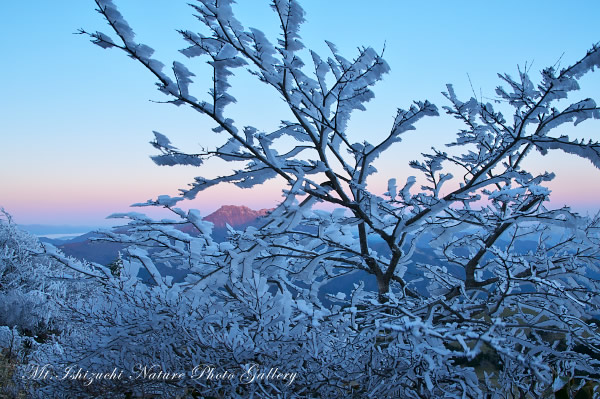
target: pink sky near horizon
<point>90,208</point>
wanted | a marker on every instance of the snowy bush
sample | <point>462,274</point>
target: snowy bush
<point>26,286</point>
<point>37,294</point>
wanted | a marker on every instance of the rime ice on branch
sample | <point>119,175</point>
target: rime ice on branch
<point>510,279</point>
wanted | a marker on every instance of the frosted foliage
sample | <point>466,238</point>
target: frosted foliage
<point>459,285</point>
<point>24,283</point>
<point>35,294</point>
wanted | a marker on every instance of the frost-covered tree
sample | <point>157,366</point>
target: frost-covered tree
<point>37,294</point>
<point>512,280</point>
<point>30,285</point>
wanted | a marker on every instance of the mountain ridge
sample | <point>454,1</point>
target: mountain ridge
<point>235,215</point>
<point>82,247</point>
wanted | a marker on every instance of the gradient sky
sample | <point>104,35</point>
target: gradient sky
<point>76,119</point>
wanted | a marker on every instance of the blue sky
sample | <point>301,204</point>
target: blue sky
<point>76,120</point>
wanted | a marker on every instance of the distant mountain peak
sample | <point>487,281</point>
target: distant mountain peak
<point>234,215</point>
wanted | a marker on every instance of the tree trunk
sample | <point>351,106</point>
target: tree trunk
<point>383,287</point>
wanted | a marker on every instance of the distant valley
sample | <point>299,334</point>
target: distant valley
<point>83,247</point>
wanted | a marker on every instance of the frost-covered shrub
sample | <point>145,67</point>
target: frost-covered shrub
<point>27,287</point>
<point>37,293</point>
